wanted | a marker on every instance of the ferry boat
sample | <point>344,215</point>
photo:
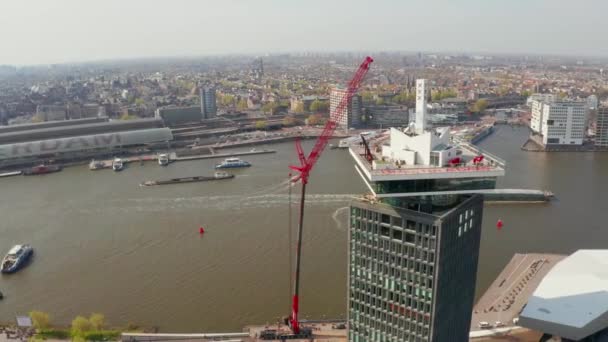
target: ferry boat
<point>42,169</point>
<point>163,159</point>
<point>117,164</point>
<point>96,165</point>
<point>16,258</point>
<point>232,163</point>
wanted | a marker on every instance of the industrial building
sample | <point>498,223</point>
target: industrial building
<point>175,116</point>
<point>353,110</point>
<point>74,139</point>
<point>414,242</point>
<point>571,302</point>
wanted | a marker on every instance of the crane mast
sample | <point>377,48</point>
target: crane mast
<point>306,165</point>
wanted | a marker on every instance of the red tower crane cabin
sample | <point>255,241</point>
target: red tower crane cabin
<point>306,165</point>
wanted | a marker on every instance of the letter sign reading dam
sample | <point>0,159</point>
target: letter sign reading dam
<point>86,142</point>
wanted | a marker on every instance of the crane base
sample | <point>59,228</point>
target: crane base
<point>273,334</point>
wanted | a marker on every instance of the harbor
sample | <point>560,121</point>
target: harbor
<point>107,219</point>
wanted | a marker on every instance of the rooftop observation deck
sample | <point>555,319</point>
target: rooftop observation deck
<point>386,170</point>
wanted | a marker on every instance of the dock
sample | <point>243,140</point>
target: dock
<point>505,298</point>
<point>174,157</point>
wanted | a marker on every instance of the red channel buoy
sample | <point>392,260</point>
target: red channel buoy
<point>499,224</point>
<point>201,230</point>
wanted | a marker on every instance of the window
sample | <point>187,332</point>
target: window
<point>385,231</point>
<point>397,234</point>
<point>410,237</point>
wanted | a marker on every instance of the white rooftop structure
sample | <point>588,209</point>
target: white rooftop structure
<point>572,300</point>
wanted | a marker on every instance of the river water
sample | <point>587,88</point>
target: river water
<point>104,244</point>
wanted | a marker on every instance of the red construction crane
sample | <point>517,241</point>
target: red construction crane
<point>306,165</point>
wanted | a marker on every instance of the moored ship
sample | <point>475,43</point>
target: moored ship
<point>42,169</point>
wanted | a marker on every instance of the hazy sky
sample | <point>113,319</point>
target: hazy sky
<point>51,31</point>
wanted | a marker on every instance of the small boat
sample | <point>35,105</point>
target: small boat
<point>16,258</point>
<point>117,164</point>
<point>217,176</point>
<point>42,169</point>
<point>232,163</point>
<point>96,165</point>
<point>163,159</point>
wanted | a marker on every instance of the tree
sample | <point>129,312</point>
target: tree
<point>260,125</point>
<point>313,119</point>
<point>380,101</point>
<point>37,118</point>
<point>289,121</point>
<point>367,96</point>
<point>319,106</point>
<point>242,104</point>
<point>40,319</point>
<point>127,116</point>
<point>227,100</point>
<point>526,93</point>
<point>299,107</point>
<point>269,107</point>
<point>139,101</point>
<point>80,325</point>
<point>479,106</point>
<point>97,321</point>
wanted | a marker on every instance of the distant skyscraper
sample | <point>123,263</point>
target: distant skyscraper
<point>414,243</point>
<point>601,127</point>
<point>208,102</point>
<point>353,110</point>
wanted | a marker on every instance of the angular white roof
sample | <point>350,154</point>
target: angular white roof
<point>572,299</point>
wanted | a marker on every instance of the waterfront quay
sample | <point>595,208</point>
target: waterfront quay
<point>323,331</point>
<point>507,295</point>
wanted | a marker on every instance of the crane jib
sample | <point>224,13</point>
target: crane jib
<point>306,165</point>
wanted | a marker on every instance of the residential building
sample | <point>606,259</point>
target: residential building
<point>352,112</point>
<point>51,112</point>
<point>601,127</point>
<point>305,102</point>
<point>592,102</point>
<point>387,116</point>
<point>571,301</point>
<point>208,102</point>
<point>540,97</point>
<point>414,243</point>
<point>559,122</point>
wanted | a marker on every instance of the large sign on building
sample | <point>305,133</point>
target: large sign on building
<point>86,142</point>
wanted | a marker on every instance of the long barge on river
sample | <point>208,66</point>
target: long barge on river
<point>217,176</point>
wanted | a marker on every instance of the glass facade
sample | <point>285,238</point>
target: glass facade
<point>430,185</point>
<point>394,256</point>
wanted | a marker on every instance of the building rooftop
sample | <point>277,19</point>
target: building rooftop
<point>572,300</point>
<point>432,155</point>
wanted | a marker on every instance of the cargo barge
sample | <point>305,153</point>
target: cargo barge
<point>42,169</point>
<point>216,176</point>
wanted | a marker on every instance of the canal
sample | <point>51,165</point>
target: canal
<point>104,244</point>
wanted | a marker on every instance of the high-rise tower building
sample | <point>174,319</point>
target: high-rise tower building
<point>414,241</point>
<point>559,122</point>
<point>353,110</point>
<point>420,106</point>
<point>601,127</point>
<point>208,102</point>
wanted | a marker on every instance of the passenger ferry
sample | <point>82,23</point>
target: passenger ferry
<point>232,163</point>
<point>117,164</point>
<point>163,159</point>
<point>16,258</point>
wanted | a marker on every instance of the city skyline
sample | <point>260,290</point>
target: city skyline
<point>39,32</point>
